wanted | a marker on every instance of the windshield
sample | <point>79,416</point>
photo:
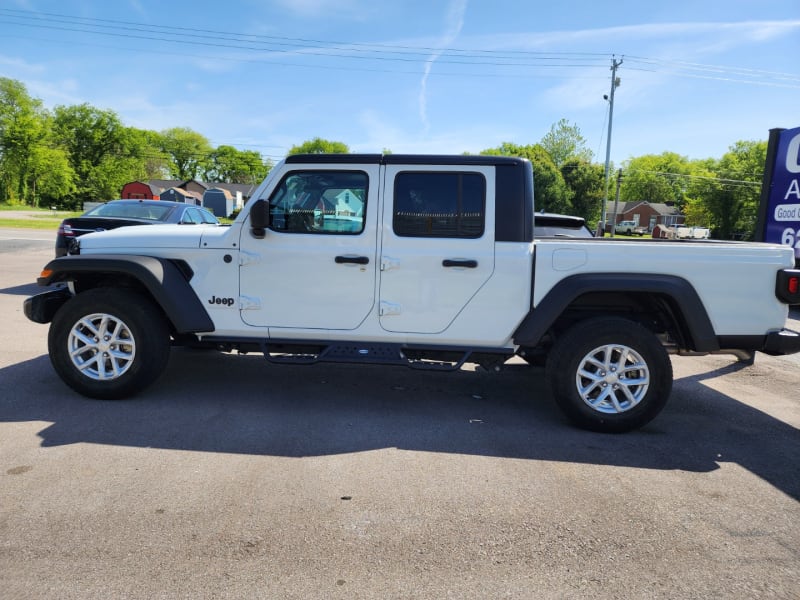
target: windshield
<point>132,210</point>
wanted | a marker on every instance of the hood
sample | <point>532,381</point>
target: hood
<point>141,238</point>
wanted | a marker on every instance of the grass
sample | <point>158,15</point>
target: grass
<point>26,208</point>
<point>34,223</point>
<point>629,237</point>
<point>37,218</point>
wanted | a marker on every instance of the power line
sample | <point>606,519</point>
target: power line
<point>743,183</point>
<point>298,65</point>
<point>743,71</point>
<point>271,48</point>
<point>379,51</point>
<point>423,51</point>
<point>728,79</point>
<point>265,44</point>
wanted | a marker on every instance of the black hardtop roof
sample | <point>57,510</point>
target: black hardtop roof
<point>406,159</point>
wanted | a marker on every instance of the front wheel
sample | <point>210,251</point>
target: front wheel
<point>609,374</point>
<point>109,343</point>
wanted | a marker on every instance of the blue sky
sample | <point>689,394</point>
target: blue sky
<point>418,76</point>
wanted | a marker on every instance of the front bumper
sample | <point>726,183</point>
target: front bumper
<point>42,307</point>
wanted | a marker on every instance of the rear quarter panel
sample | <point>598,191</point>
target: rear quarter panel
<point>735,281</point>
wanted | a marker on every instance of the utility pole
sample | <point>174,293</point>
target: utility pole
<point>616,204</point>
<point>614,84</point>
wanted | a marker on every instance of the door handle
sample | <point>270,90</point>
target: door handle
<point>469,264</point>
<point>355,260</point>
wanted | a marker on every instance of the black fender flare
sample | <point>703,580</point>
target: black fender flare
<point>166,281</point>
<point>698,325</point>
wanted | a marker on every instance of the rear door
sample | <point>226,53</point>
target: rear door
<point>437,245</point>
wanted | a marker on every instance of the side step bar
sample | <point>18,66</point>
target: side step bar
<point>428,358</point>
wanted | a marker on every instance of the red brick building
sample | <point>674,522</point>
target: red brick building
<point>646,214</point>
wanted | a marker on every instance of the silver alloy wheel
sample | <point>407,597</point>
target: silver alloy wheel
<point>612,379</point>
<point>101,347</point>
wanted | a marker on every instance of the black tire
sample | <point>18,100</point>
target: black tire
<point>125,327</point>
<point>583,372</point>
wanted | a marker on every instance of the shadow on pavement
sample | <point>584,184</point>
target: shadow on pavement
<point>212,402</point>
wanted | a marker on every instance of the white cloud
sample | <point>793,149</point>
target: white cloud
<point>454,24</point>
<point>18,64</point>
<point>137,7</point>
<point>325,8</point>
<point>382,132</point>
<point>616,37</point>
<point>54,93</point>
<point>676,54</point>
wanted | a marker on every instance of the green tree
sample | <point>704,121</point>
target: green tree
<point>585,181</point>
<point>23,127</point>
<point>103,152</point>
<point>50,176</point>
<point>320,146</point>
<point>732,203</point>
<point>188,152</point>
<point>702,184</point>
<point>564,142</point>
<point>656,178</point>
<point>146,147</point>
<point>230,165</point>
<point>550,192</point>
<point>697,212</point>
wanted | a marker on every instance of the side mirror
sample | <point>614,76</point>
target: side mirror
<point>259,218</point>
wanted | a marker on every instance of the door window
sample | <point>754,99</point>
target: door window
<point>325,202</point>
<point>192,215</point>
<point>439,204</point>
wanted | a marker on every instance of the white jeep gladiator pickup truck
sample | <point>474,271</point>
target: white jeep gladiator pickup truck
<point>423,261</point>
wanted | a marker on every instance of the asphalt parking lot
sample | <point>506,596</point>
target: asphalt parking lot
<point>232,478</point>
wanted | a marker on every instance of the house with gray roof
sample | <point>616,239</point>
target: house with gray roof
<point>646,214</point>
<point>154,188</point>
<point>224,197</point>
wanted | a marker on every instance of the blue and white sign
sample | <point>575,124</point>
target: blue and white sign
<point>782,219</point>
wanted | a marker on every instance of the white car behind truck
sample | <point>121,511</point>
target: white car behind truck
<point>422,261</point>
<point>629,228</point>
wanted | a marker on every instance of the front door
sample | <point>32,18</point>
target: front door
<point>315,267</point>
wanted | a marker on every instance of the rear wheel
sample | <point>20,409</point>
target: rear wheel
<point>609,374</point>
<point>109,343</point>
